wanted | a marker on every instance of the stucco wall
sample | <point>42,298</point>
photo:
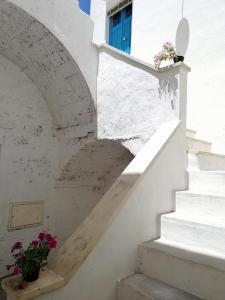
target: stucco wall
<point>99,17</point>
<point>32,168</point>
<point>47,116</point>
<point>138,220</point>
<point>84,180</point>
<point>47,111</point>
<point>133,99</point>
<point>52,14</point>
<point>156,21</point>
<point>28,161</point>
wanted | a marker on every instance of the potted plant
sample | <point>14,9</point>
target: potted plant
<point>28,261</point>
<point>168,53</point>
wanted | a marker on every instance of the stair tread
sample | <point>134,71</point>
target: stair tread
<point>195,219</point>
<point>200,194</point>
<point>208,172</point>
<point>156,289</point>
<point>191,130</point>
<point>199,255</point>
<point>199,140</point>
<point>211,153</point>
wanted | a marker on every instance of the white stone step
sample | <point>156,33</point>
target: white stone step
<point>196,145</point>
<point>207,182</point>
<point>184,268</point>
<point>190,133</point>
<point>206,161</point>
<point>140,287</point>
<point>194,231</point>
<point>207,205</point>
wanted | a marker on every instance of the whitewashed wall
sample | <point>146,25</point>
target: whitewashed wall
<point>134,99</point>
<point>155,22</point>
<point>48,118</point>
<point>65,20</point>
<point>138,220</point>
<point>84,180</point>
<point>28,159</point>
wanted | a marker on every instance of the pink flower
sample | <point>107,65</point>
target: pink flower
<point>52,243</point>
<point>20,255</point>
<point>168,46</point>
<point>42,236</point>
<point>17,245</point>
<point>15,270</point>
<point>35,243</point>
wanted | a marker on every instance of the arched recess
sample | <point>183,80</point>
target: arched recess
<point>89,174</point>
<point>45,60</point>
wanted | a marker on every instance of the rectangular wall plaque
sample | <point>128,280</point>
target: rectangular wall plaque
<point>25,214</point>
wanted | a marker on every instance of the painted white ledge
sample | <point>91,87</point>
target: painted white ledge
<point>140,63</point>
<point>149,153</point>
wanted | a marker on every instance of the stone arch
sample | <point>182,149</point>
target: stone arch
<point>45,60</point>
<point>91,172</point>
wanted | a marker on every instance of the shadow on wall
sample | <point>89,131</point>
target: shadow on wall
<point>168,83</point>
<point>96,165</point>
<point>182,37</point>
<point>91,172</point>
<point>168,86</point>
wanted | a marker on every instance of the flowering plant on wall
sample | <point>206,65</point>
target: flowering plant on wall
<point>28,261</point>
<point>168,53</point>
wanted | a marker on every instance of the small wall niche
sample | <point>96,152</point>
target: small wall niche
<point>25,214</point>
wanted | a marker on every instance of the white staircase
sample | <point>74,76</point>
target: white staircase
<point>188,261</point>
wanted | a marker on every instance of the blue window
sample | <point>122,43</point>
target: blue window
<point>85,5</point>
<point>120,29</point>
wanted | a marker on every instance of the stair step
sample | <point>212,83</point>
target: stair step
<point>201,204</point>
<point>196,145</point>
<point>194,231</point>
<point>207,182</point>
<point>180,266</point>
<point>190,133</point>
<point>206,161</point>
<point>140,287</point>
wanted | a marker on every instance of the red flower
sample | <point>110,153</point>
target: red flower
<point>52,243</point>
<point>17,245</point>
<point>35,243</point>
<point>15,270</point>
<point>42,236</point>
<point>49,236</point>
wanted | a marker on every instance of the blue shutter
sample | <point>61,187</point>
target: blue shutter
<point>120,29</point>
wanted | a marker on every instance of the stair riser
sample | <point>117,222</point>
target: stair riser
<point>195,146</point>
<point>207,183</point>
<point>193,234</point>
<point>190,133</point>
<point>200,280</point>
<point>206,162</point>
<point>201,205</point>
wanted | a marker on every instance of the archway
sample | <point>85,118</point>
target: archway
<point>30,45</point>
